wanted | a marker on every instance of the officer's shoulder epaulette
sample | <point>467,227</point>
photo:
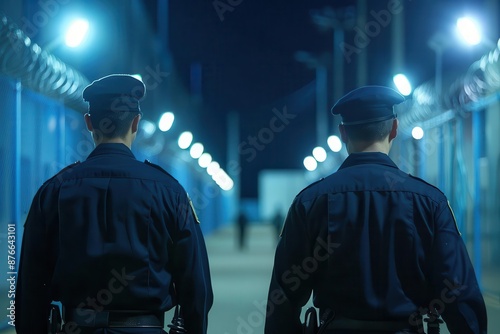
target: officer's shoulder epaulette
<point>309,186</point>
<point>427,183</point>
<point>147,162</point>
<point>66,169</point>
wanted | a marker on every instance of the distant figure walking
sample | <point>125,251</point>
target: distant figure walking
<point>278,222</point>
<point>242,227</point>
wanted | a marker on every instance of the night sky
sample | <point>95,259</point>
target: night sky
<point>246,52</point>
<point>243,51</point>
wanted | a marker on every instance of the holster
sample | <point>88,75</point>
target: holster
<point>310,325</point>
<point>433,321</point>
<point>177,325</point>
<point>55,321</point>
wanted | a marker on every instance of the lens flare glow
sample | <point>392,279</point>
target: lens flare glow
<point>469,30</point>
<point>334,143</point>
<point>185,139</point>
<point>319,154</point>
<point>310,163</point>
<point>166,121</point>
<point>417,132</point>
<point>76,33</point>
<point>196,150</point>
<point>204,160</point>
<point>402,84</point>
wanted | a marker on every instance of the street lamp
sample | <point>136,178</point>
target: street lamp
<point>310,163</point>
<point>417,133</point>
<point>338,20</point>
<point>196,150</point>
<point>204,160</point>
<point>469,32</point>
<point>319,153</point>
<point>185,140</point>
<point>334,143</point>
<point>402,84</point>
<point>166,121</point>
<point>76,33</point>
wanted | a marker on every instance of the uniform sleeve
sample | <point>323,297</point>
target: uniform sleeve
<point>32,291</point>
<point>191,270</point>
<point>456,294</point>
<point>290,286</point>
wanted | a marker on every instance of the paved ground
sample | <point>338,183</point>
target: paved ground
<point>241,278</point>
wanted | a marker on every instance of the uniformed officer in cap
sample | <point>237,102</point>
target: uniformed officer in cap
<point>115,240</point>
<point>378,248</point>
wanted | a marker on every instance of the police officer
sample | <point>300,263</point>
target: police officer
<point>115,240</point>
<point>378,248</point>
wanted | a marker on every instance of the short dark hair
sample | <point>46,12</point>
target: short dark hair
<point>371,132</point>
<point>112,124</point>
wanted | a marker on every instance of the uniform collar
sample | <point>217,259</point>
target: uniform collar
<point>363,158</point>
<point>111,148</point>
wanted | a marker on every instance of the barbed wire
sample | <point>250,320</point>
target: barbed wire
<point>37,69</point>
<point>481,80</point>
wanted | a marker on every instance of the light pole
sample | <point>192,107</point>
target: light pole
<point>321,93</point>
<point>470,33</point>
<point>338,20</point>
<point>439,42</point>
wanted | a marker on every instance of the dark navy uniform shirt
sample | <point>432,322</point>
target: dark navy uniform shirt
<point>373,243</point>
<point>112,233</point>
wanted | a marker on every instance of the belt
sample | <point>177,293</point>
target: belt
<point>340,322</point>
<point>90,318</point>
